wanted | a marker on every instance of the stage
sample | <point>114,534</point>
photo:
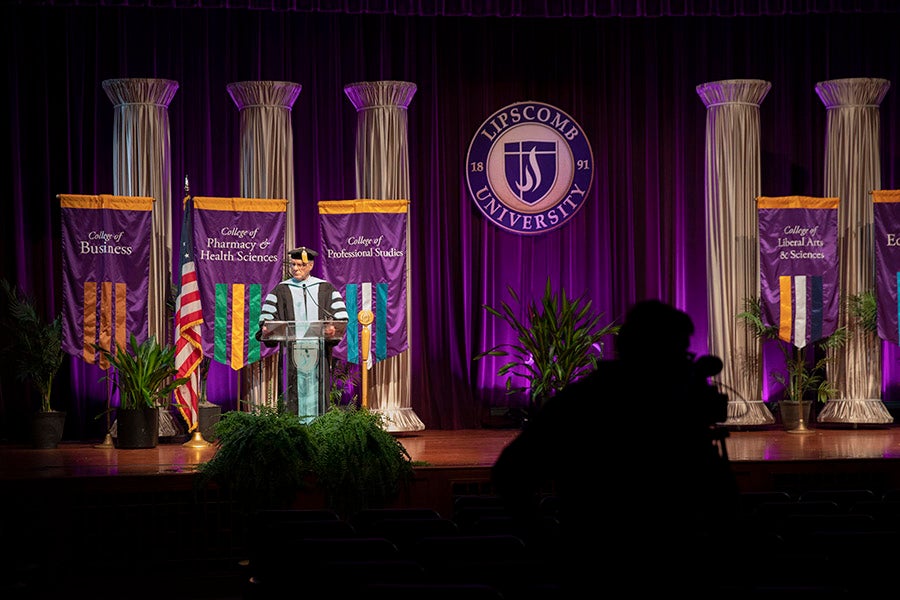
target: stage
<point>453,462</point>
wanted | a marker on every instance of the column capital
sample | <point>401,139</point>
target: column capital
<point>273,94</point>
<point>380,94</point>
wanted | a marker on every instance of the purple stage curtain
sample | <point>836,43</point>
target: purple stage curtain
<point>629,82</point>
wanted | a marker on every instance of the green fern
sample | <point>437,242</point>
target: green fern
<point>358,463</point>
<point>263,458</point>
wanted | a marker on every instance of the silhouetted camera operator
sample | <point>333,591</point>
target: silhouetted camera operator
<point>636,458</point>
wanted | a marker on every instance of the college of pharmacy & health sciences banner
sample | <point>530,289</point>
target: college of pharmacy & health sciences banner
<point>239,257</point>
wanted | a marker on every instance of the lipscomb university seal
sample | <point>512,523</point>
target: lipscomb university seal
<point>529,168</point>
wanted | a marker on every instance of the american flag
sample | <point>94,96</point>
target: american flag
<point>188,317</point>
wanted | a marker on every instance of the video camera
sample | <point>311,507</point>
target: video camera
<point>712,403</point>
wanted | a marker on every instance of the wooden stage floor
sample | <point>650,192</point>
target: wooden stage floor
<point>763,458</point>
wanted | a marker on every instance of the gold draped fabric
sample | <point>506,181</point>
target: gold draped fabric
<point>382,173</point>
<point>267,171</point>
<point>142,166</point>
<point>852,171</point>
<point>732,184</point>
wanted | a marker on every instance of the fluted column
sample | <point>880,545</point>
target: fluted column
<point>382,173</point>
<point>852,171</point>
<point>732,185</point>
<point>267,171</point>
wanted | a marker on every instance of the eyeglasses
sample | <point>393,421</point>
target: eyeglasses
<point>301,265</point>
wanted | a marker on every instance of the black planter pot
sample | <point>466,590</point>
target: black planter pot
<point>209,415</point>
<point>137,427</point>
<point>47,429</point>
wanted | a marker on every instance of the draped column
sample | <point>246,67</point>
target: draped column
<point>852,171</point>
<point>267,171</point>
<point>382,173</point>
<point>732,185</point>
<point>142,166</point>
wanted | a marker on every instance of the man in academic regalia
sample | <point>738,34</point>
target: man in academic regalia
<point>303,298</point>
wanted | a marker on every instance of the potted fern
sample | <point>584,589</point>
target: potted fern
<point>558,341</point>
<point>264,457</point>
<point>144,373</point>
<point>804,376</point>
<point>358,464</point>
<point>32,348</point>
<point>343,459</point>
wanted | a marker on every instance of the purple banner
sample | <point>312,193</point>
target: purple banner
<point>364,252</point>
<point>798,266</point>
<point>239,256</point>
<point>886,204</point>
<point>106,272</point>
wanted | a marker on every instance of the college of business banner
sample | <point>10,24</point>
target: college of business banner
<point>364,256</point>
<point>798,265</point>
<point>105,270</point>
<point>887,262</point>
<point>239,257</point>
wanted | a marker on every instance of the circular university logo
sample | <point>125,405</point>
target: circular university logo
<point>529,168</point>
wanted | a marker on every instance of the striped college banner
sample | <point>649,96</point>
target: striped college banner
<point>106,272</point>
<point>358,298</point>
<point>799,267</point>
<point>239,252</point>
<point>886,204</point>
<point>364,255</point>
<point>800,315</point>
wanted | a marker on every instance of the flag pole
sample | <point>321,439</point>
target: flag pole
<point>107,440</point>
<point>197,440</point>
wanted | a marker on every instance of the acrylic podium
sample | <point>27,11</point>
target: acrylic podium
<point>304,361</point>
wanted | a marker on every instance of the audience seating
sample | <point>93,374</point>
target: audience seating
<point>818,544</point>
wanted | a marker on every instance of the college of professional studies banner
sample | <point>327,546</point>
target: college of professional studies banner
<point>364,256</point>
<point>105,272</point>
<point>798,265</point>
<point>239,257</point>
<point>886,205</point>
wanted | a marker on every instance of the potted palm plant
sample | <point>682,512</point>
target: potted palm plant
<point>32,348</point>
<point>558,341</point>
<point>862,316</point>
<point>805,371</point>
<point>144,373</point>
